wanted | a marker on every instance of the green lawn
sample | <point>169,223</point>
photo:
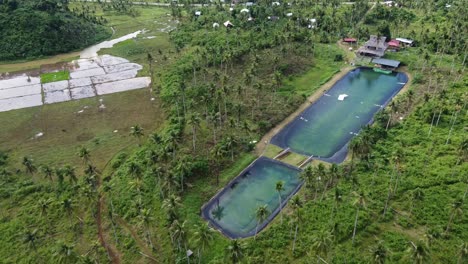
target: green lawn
<point>324,69</point>
<point>55,76</point>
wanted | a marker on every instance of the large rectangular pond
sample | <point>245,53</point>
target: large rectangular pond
<point>232,210</point>
<point>324,128</point>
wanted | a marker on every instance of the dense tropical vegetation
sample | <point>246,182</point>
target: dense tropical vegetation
<point>31,28</point>
<point>400,198</point>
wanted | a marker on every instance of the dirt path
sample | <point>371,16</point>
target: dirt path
<point>261,146</point>
<point>140,243</point>
<point>111,250</point>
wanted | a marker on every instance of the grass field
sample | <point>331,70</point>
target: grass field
<point>66,130</point>
<point>55,76</point>
<point>324,69</point>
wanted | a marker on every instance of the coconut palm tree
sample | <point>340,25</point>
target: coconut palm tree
<point>43,205</point>
<point>463,253</point>
<point>69,171</point>
<point>179,233</point>
<point>29,165</point>
<point>416,195</point>
<point>137,132</point>
<point>234,252</point>
<point>359,202</point>
<point>378,253</point>
<point>202,237</point>
<point>30,237</point>
<point>418,252</point>
<point>307,177</point>
<point>321,244</point>
<point>457,210</point>
<point>67,205</point>
<point>296,203</point>
<point>172,204</point>
<point>261,215</point>
<point>135,170</point>
<point>47,171</point>
<point>84,154</point>
<point>146,218</point>
<point>279,188</point>
<point>194,121</point>
<point>65,253</point>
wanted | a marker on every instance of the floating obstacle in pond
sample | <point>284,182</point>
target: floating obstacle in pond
<point>341,97</point>
<point>282,153</point>
<point>306,161</point>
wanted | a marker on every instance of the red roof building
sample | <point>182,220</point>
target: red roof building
<point>394,44</point>
<point>349,40</point>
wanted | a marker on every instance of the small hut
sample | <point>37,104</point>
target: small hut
<point>350,40</point>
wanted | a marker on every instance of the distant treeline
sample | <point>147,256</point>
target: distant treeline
<point>34,28</point>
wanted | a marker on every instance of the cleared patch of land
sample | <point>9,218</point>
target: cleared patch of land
<point>68,126</point>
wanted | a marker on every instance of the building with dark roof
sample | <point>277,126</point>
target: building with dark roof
<point>374,47</point>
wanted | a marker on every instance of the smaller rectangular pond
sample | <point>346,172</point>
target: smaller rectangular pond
<point>233,209</point>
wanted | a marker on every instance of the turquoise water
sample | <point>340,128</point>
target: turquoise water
<point>253,188</point>
<point>325,127</point>
<point>322,130</point>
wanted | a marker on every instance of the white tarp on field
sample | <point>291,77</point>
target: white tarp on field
<point>88,78</point>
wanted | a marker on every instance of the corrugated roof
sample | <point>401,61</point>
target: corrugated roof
<point>386,62</point>
<point>407,41</point>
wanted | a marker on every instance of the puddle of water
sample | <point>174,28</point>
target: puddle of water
<point>93,50</point>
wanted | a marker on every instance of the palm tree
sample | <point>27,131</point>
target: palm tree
<point>30,238</point>
<point>203,237</point>
<point>145,216</point>
<point>279,188</point>
<point>29,165</point>
<point>194,121</point>
<point>65,253</point>
<point>171,205</point>
<point>463,253</point>
<point>47,171</point>
<point>307,177</point>
<point>137,132</point>
<point>69,171</point>
<point>322,243</point>
<point>43,205</point>
<point>418,252</point>
<point>179,233</point>
<point>359,202</point>
<point>416,195</point>
<point>261,214</point>
<point>67,205</point>
<point>84,154</point>
<point>234,251</point>
<point>378,253</point>
<point>134,170</point>
<point>457,210</point>
<point>296,203</point>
